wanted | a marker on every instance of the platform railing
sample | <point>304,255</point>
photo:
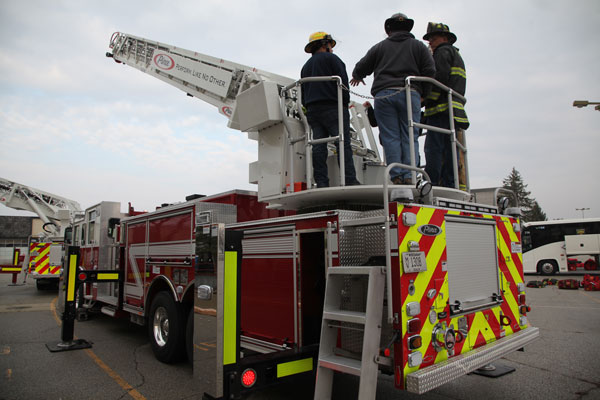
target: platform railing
<point>309,141</point>
<point>452,131</point>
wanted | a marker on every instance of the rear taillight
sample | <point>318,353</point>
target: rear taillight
<point>249,378</point>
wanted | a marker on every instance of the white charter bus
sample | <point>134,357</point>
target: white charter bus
<point>547,245</point>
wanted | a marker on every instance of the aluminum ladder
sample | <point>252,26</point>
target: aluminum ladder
<point>331,360</point>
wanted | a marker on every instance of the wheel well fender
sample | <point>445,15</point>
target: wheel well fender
<point>188,297</point>
<point>159,284</point>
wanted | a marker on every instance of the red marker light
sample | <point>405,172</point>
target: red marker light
<point>82,276</point>
<point>248,377</point>
<point>414,325</point>
<point>524,310</point>
<point>521,299</point>
<point>386,352</point>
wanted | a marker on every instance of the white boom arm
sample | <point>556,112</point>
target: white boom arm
<point>56,212</point>
<point>253,102</point>
<point>214,80</point>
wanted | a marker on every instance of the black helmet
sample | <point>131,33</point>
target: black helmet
<point>398,22</point>
<point>439,28</point>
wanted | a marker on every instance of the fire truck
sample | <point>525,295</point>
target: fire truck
<point>258,288</point>
<point>43,261</point>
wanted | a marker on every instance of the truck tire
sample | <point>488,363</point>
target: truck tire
<point>189,336</point>
<point>166,328</point>
<point>547,267</point>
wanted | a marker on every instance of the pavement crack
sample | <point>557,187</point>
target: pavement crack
<point>581,394</point>
<point>137,365</point>
<point>584,393</point>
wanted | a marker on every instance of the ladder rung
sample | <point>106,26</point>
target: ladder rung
<point>341,364</point>
<point>355,317</point>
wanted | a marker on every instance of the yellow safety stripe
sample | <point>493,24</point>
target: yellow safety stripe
<point>230,308</point>
<point>434,95</point>
<point>108,275</point>
<point>72,271</point>
<point>480,325</point>
<point>294,367</point>
<point>458,71</point>
<point>443,107</point>
<point>16,259</point>
<point>10,269</point>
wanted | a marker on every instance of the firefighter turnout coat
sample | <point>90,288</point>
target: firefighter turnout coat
<point>450,71</point>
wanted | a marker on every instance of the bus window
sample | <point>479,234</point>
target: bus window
<point>526,240</point>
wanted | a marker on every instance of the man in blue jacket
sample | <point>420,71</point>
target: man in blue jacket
<point>392,60</point>
<point>321,102</point>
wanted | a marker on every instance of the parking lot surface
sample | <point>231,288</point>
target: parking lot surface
<point>563,364</point>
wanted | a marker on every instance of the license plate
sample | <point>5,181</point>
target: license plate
<point>414,261</point>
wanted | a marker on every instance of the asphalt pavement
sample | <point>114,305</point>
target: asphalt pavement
<point>563,364</point>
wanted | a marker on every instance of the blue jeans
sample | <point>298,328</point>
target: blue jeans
<point>392,119</point>
<point>438,152</point>
<point>323,119</point>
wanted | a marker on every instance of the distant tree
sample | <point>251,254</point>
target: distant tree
<point>536,214</point>
<point>531,209</point>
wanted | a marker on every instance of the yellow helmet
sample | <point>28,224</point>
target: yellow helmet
<point>315,38</point>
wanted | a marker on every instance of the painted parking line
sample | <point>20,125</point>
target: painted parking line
<point>120,381</point>
<point>591,297</point>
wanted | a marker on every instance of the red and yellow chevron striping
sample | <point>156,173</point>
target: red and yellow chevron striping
<point>39,260</point>
<point>429,288</point>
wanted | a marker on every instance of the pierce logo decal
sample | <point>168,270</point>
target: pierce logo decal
<point>164,61</point>
<point>429,230</point>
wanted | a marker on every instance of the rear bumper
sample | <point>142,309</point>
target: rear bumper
<point>35,275</point>
<point>438,374</point>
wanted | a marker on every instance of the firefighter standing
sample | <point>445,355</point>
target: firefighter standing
<point>392,60</point>
<point>450,71</point>
<point>321,102</point>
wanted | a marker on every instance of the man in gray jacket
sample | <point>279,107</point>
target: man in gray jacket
<point>392,60</point>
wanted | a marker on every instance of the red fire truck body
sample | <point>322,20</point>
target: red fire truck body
<point>423,283</point>
<point>439,313</point>
<point>148,245</point>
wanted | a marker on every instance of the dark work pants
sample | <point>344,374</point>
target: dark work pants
<point>323,119</point>
<point>438,152</point>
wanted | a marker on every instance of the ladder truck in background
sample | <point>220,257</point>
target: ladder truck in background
<point>43,260</point>
<point>259,288</point>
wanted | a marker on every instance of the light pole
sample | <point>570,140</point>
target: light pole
<point>582,211</point>
<point>585,103</point>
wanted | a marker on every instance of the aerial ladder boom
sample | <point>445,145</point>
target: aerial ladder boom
<point>214,80</point>
<point>264,104</point>
<point>55,211</point>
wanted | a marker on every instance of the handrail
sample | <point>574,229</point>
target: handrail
<point>451,131</point>
<point>309,140</point>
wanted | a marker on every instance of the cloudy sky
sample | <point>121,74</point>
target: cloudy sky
<point>74,123</point>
